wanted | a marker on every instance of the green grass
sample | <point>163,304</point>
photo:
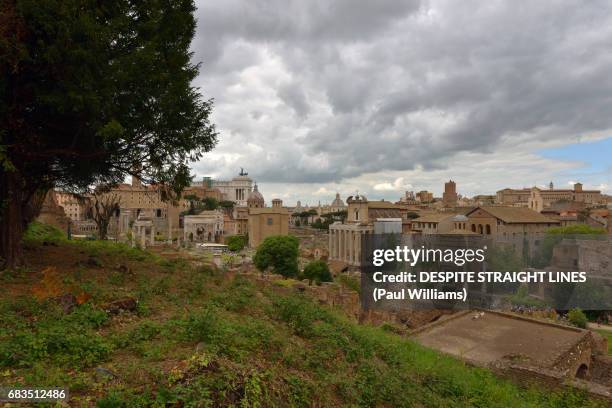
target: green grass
<point>37,233</point>
<point>607,335</point>
<point>200,339</point>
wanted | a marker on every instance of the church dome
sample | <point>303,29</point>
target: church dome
<point>337,201</point>
<point>255,199</point>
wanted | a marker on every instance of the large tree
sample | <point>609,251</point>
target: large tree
<point>92,91</point>
<point>278,253</point>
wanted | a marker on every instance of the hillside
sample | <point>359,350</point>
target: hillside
<point>202,337</point>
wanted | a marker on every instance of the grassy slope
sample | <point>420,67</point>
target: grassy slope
<point>208,340</point>
<point>607,335</point>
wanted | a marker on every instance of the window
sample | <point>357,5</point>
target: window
<point>356,215</point>
<point>270,221</point>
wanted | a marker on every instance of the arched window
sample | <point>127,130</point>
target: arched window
<point>473,227</point>
<point>488,229</point>
<point>356,215</point>
<point>480,230</point>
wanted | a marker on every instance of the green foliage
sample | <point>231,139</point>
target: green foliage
<point>578,229</point>
<point>521,298</point>
<point>577,318</point>
<point>279,253</point>
<point>38,233</point>
<point>608,335</point>
<point>322,223</point>
<point>196,206</point>
<point>236,243</point>
<point>210,203</point>
<point>63,339</point>
<point>226,204</point>
<point>557,234</point>
<point>172,265</point>
<point>91,93</point>
<point>116,250</point>
<point>317,271</point>
<point>350,282</point>
<point>298,314</point>
<point>237,343</point>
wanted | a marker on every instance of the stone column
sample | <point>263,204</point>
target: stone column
<point>343,245</point>
<point>340,245</point>
<point>346,242</point>
<point>329,243</point>
<point>336,244</point>
<point>153,235</point>
<point>340,252</point>
<point>351,242</point>
<point>358,248</point>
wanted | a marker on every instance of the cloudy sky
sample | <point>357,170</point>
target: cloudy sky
<point>314,97</point>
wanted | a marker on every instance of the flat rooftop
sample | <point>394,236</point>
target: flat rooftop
<point>493,336</point>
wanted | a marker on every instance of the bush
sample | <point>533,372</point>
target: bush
<point>317,271</point>
<point>577,318</point>
<point>280,253</point>
<point>350,282</point>
<point>236,243</point>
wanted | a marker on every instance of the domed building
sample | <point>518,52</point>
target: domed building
<point>255,199</point>
<point>266,221</point>
<point>337,204</point>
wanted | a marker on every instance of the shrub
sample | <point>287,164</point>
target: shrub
<point>350,282</point>
<point>299,314</point>
<point>577,318</point>
<point>280,253</point>
<point>317,271</point>
<point>236,243</point>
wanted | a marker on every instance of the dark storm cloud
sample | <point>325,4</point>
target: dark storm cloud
<point>320,91</point>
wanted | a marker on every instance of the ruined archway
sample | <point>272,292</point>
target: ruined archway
<point>582,372</point>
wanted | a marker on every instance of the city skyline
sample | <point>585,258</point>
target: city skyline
<point>313,100</point>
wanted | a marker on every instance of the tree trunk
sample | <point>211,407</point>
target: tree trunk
<point>11,219</point>
<point>20,203</point>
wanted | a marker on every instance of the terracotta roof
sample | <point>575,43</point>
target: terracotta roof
<point>517,215</point>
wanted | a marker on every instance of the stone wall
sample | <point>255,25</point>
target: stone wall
<point>529,376</point>
<point>579,355</point>
<point>601,370</point>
